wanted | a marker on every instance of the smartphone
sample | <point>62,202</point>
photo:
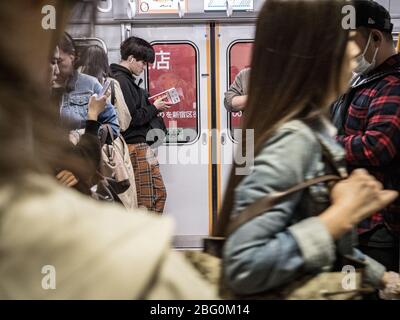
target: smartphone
<point>106,86</point>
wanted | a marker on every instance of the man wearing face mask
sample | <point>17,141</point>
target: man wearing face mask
<point>368,121</point>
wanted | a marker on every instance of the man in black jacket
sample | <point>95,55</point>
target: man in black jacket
<point>136,53</point>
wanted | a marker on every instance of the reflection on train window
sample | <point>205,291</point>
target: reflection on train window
<point>239,58</point>
<point>175,66</point>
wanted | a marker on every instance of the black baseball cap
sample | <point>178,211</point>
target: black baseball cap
<point>371,14</point>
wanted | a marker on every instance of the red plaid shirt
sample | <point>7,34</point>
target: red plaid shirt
<point>371,133</point>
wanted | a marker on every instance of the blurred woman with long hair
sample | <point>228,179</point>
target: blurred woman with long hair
<point>302,60</point>
<point>53,237</point>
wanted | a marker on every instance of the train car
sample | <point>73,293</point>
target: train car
<point>200,47</point>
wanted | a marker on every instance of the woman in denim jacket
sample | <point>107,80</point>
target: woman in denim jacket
<point>77,89</point>
<point>296,72</point>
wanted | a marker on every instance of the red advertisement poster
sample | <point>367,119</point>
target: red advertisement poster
<point>175,66</point>
<point>240,58</point>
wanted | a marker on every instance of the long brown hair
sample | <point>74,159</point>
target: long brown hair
<point>30,138</point>
<point>94,62</point>
<point>297,62</point>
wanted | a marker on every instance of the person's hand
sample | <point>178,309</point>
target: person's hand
<point>161,105</point>
<point>96,106</point>
<point>239,103</point>
<point>362,194</point>
<point>67,178</point>
<point>354,200</point>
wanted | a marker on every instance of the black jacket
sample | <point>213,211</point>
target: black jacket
<point>142,111</point>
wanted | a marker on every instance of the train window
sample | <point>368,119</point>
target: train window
<point>239,57</point>
<point>176,66</point>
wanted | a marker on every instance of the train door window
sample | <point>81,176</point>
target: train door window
<point>239,58</point>
<point>176,66</point>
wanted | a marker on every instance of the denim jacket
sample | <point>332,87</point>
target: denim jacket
<point>74,104</point>
<point>289,240</point>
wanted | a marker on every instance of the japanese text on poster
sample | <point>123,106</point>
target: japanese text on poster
<point>175,66</point>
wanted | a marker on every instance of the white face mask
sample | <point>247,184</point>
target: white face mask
<point>363,65</point>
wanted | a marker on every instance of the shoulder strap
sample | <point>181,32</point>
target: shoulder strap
<point>105,132</point>
<point>112,93</point>
<point>340,167</point>
<point>268,202</point>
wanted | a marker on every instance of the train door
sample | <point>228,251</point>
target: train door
<point>234,45</point>
<point>185,154</point>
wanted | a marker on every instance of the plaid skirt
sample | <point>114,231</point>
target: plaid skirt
<point>151,192</point>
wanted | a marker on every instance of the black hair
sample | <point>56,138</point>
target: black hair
<point>94,62</point>
<point>67,44</point>
<point>367,31</point>
<point>388,36</point>
<point>140,49</point>
<point>312,49</point>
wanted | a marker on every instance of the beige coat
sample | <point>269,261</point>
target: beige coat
<point>98,251</point>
